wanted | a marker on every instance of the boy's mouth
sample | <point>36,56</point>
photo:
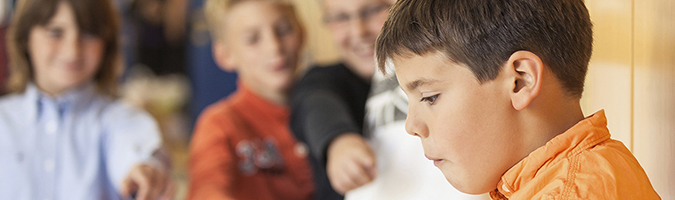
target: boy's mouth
<point>279,66</point>
<point>73,66</point>
<point>364,51</point>
<point>436,160</point>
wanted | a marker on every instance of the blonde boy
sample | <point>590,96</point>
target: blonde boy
<point>242,147</point>
<point>494,89</point>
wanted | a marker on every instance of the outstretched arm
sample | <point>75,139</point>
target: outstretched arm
<point>323,118</point>
<point>351,163</point>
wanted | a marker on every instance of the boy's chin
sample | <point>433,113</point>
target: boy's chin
<point>467,185</point>
<point>283,84</point>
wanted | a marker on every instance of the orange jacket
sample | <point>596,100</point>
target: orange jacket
<point>242,148</point>
<point>581,163</point>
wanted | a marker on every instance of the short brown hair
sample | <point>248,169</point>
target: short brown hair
<point>484,34</point>
<point>97,17</point>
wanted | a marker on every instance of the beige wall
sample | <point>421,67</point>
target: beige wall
<point>632,77</point>
<point>320,46</point>
<point>654,92</point>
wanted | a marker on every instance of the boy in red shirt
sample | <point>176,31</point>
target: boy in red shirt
<point>494,89</point>
<point>242,147</point>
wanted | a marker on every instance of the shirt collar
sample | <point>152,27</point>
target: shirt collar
<point>68,100</point>
<point>585,134</point>
<point>32,102</point>
<point>271,111</point>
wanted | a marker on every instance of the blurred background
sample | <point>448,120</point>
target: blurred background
<point>170,72</point>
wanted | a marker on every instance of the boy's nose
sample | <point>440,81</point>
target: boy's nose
<point>414,126</point>
<point>274,46</point>
<point>358,28</point>
<point>72,48</point>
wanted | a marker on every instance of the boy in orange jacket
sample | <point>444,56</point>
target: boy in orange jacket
<point>494,89</point>
<point>242,146</point>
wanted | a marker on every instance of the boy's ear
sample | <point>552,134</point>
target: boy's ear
<point>526,72</point>
<point>223,57</point>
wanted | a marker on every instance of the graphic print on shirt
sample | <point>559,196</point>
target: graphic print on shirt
<point>259,155</point>
<point>387,103</point>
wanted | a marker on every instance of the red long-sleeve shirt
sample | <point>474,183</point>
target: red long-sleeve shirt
<point>242,148</point>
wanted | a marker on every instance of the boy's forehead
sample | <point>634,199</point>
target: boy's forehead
<point>415,70</point>
<point>222,15</point>
<point>257,13</point>
<point>349,5</point>
<point>410,59</point>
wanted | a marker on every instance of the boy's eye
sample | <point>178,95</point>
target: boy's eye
<point>252,39</point>
<point>284,29</point>
<point>87,35</point>
<point>430,99</point>
<point>55,32</point>
<point>337,18</point>
<point>372,10</point>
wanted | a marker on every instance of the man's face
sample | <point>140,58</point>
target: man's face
<point>355,25</point>
<point>465,127</point>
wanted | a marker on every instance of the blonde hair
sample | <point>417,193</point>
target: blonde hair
<point>97,17</point>
<point>215,12</point>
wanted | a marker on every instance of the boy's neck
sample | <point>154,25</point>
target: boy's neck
<point>56,92</point>
<point>276,98</point>
<point>548,121</point>
<point>279,97</point>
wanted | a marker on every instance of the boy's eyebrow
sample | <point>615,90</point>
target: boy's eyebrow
<point>419,82</point>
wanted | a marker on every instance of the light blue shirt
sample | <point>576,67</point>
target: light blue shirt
<point>80,145</point>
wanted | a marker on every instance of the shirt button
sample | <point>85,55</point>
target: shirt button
<point>51,127</point>
<point>138,148</point>
<point>49,165</point>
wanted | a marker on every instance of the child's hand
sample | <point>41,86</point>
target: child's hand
<point>350,163</point>
<point>147,183</point>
